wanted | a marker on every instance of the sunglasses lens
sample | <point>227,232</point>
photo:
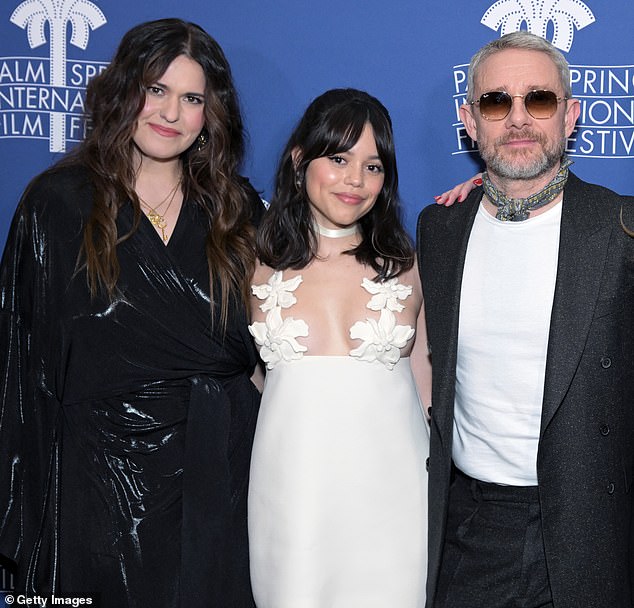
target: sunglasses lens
<point>541,104</point>
<point>495,105</point>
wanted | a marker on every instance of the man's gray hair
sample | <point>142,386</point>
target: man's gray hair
<point>519,40</point>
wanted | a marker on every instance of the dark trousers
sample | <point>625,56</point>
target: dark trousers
<point>494,551</point>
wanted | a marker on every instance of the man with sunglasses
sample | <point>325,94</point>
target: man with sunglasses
<point>528,295</point>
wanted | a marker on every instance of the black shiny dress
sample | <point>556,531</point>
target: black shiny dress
<point>125,425</point>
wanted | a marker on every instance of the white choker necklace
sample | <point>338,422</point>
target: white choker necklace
<point>337,233</point>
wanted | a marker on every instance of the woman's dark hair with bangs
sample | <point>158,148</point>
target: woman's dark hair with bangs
<point>114,100</point>
<point>332,124</point>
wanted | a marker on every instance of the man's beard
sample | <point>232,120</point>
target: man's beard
<point>520,165</point>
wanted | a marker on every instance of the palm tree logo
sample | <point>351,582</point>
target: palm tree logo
<point>565,15</point>
<point>83,16</point>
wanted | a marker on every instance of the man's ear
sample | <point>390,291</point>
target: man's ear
<point>573,109</point>
<point>468,120</point>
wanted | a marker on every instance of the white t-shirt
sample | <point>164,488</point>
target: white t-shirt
<point>506,302</point>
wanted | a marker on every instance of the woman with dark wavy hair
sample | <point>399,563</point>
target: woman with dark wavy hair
<point>338,490</point>
<point>127,410</point>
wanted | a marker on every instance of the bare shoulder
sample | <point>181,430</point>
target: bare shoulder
<point>262,273</point>
<point>411,277</point>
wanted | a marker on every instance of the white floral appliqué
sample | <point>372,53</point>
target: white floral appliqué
<point>276,292</point>
<point>276,337</point>
<point>382,339</point>
<point>386,294</point>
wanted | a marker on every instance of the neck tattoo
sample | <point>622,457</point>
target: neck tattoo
<point>518,209</point>
<point>337,233</point>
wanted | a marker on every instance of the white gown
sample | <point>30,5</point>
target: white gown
<point>338,485</point>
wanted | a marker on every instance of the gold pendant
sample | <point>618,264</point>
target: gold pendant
<point>159,222</point>
<point>155,218</point>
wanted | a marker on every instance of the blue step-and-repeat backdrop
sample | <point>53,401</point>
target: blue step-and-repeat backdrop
<point>412,54</point>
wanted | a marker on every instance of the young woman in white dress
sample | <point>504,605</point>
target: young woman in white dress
<point>338,487</point>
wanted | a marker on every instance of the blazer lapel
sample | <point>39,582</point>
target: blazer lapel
<point>450,264</point>
<point>583,244</point>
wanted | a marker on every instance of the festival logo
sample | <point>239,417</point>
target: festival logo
<point>43,97</point>
<point>605,128</point>
<point>563,15</point>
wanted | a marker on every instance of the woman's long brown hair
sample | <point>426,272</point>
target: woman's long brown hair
<point>114,100</point>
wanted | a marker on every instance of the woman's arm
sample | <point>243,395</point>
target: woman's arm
<point>420,358</point>
<point>459,193</point>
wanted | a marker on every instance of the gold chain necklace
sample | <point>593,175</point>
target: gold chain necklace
<point>156,218</point>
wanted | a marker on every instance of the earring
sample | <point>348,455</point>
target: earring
<point>298,181</point>
<point>202,140</point>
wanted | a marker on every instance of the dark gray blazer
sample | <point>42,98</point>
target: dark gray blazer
<point>586,449</point>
